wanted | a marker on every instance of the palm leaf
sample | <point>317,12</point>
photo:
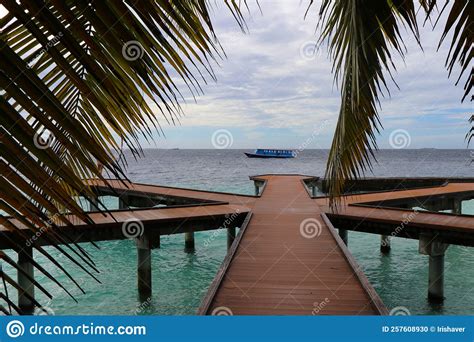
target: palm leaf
<point>460,21</point>
<point>361,35</point>
<point>66,71</point>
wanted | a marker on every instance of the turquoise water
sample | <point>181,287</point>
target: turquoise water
<point>401,277</point>
<point>181,279</point>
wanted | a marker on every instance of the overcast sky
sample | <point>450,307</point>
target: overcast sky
<point>271,91</point>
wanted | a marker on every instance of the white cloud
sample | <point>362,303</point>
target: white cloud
<point>3,11</point>
<point>265,82</point>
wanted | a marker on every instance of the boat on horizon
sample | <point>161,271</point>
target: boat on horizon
<point>271,153</point>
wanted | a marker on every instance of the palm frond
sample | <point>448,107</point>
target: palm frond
<point>470,134</point>
<point>461,50</point>
<point>76,77</point>
<point>362,35</point>
<point>460,21</point>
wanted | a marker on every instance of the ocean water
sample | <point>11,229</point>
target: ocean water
<point>181,279</point>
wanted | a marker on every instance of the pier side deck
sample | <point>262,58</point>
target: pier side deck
<point>368,213</point>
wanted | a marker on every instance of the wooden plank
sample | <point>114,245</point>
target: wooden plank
<point>275,269</point>
<point>172,191</point>
<point>377,302</point>
<point>206,302</point>
<point>161,221</point>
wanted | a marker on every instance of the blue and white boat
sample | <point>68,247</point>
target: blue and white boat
<point>271,153</point>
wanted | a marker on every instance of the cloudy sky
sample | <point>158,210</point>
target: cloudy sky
<point>271,91</point>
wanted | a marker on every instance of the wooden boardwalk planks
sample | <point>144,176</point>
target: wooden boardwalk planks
<point>173,191</point>
<point>362,213</point>
<point>289,262</point>
<point>157,221</point>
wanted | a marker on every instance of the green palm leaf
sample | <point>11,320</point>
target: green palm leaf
<point>69,73</point>
<point>363,35</point>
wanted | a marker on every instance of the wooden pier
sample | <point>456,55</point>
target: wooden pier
<point>289,261</point>
<point>290,255</point>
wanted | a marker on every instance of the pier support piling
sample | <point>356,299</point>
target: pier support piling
<point>435,250</point>
<point>145,244</point>
<point>123,200</point>
<point>312,185</point>
<point>385,244</point>
<point>94,203</point>
<point>457,206</point>
<point>436,278</point>
<point>189,245</point>
<point>258,184</point>
<point>24,303</point>
<point>344,235</point>
<point>230,236</point>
